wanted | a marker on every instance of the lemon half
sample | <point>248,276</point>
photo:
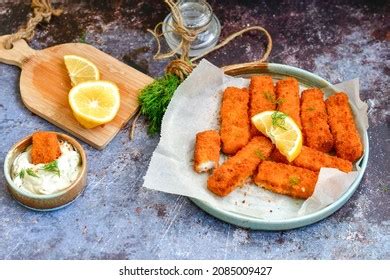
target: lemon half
<point>80,69</point>
<point>282,130</point>
<point>94,102</point>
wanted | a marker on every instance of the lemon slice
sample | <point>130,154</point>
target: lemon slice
<point>80,69</point>
<point>94,102</point>
<point>282,130</point>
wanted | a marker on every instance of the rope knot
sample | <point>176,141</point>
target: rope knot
<point>186,34</point>
<point>42,10</point>
<point>183,66</point>
<point>180,68</point>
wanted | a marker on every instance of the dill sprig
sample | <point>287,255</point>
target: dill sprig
<point>278,119</point>
<point>294,180</point>
<point>83,38</point>
<point>49,167</point>
<point>260,154</point>
<point>154,100</point>
<point>22,173</point>
<point>271,98</point>
<point>31,173</point>
<point>52,167</point>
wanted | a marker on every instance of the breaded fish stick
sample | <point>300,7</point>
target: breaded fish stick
<point>262,97</point>
<point>237,169</point>
<point>286,179</point>
<point>314,160</point>
<point>342,125</point>
<point>276,156</point>
<point>234,120</point>
<point>206,153</point>
<point>314,120</point>
<point>45,147</point>
<point>287,92</point>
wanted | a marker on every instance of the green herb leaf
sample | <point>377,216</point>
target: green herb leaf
<point>83,38</point>
<point>311,109</point>
<point>52,167</point>
<point>260,154</point>
<point>271,98</point>
<point>154,100</point>
<point>278,119</point>
<point>294,180</point>
<point>22,173</point>
<point>32,173</point>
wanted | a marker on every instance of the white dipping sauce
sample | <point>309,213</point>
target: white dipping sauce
<point>47,182</point>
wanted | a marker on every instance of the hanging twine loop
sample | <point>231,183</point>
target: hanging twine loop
<point>183,66</point>
<point>42,11</point>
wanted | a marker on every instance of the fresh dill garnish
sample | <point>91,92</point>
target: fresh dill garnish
<point>52,167</point>
<point>49,167</point>
<point>22,173</point>
<point>294,181</point>
<point>154,100</point>
<point>278,119</point>
<point>83,38</point>
<point>311,109</point>
<point>271,98</point>
<point>32,173</point>
<point>260,155</point>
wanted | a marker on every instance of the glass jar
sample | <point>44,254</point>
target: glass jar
<point>197,15</point>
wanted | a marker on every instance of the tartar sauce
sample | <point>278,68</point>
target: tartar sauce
<point>35,179</point>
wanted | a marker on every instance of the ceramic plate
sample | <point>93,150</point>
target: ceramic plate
<point>306,79</point>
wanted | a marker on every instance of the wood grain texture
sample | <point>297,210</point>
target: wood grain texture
<point>44,86</point>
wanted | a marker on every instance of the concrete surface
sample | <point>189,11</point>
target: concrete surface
<point>115,218</point>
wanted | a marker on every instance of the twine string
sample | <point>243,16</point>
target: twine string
<point>183,66</point>
<point>42,11</point>
<point>233,36</point>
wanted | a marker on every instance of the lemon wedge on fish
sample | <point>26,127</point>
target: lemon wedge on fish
<point>282,130</point>
<point>80,69</point>
<point>94,103</point>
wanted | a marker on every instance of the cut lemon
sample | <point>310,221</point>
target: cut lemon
<point>282,130</point>
<point>94,102</point>
<point>80,69</point>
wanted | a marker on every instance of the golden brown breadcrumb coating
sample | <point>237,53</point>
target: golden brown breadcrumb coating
<point>45,147</point>
<point>237,169</point>
<point>314,160</point>
<point>287,92</point>
<point>314,118</point>
<point>234,120</point>
<point>207,148</point>
<point>262,97</point>
<point>342,125</point>
<point>286,179</point>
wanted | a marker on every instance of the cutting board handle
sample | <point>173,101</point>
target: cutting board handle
<point>17,55</point>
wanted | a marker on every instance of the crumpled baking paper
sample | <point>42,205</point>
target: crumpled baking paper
<point>195,107</point>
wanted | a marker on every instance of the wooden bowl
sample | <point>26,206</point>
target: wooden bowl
<point>45,202</point>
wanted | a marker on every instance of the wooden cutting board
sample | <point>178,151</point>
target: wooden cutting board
<point>44,86</point>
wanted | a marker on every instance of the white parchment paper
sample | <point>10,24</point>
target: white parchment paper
<point>194,108</point>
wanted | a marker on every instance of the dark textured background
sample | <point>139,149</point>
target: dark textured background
<point>115,218</point>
